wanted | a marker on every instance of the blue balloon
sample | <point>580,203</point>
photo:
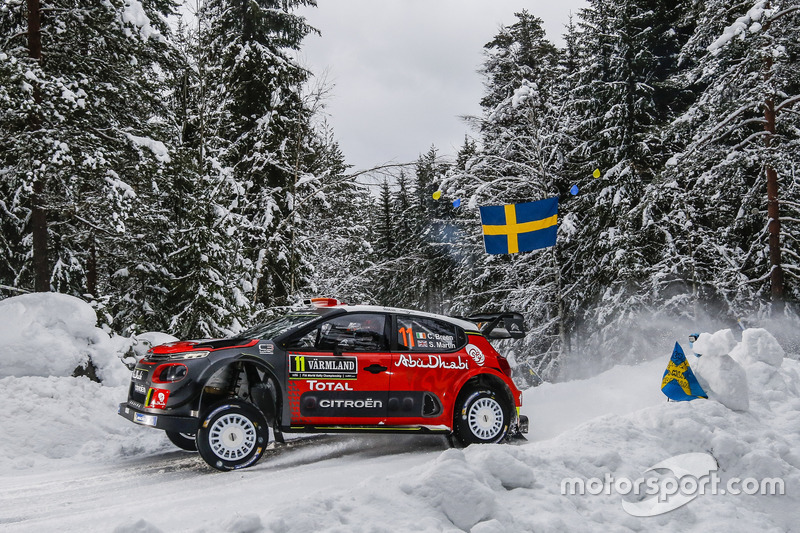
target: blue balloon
<point>574,190</point>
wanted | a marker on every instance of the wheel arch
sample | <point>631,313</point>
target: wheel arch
<point>268,401</point>
<point>488,380</point>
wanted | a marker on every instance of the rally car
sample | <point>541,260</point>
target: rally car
<point>331,368</point>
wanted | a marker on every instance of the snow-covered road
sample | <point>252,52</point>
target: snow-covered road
<point>177,491</point>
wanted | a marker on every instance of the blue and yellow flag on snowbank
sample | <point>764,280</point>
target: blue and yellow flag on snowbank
<point>513,228</point>
<point>679,383</point>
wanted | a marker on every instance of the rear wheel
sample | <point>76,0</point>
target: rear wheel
<point>482,416</point>
<point>232,435</point>
<point>184,441</point>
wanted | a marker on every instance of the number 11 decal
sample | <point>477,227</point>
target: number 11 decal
<point>408,336</point>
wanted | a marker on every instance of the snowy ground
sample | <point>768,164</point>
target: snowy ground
<point>69,463</point>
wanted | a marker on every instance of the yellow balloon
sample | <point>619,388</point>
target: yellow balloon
<point>596,173</point>
<point>437,195</point>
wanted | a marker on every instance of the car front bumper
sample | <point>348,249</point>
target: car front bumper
<point>179,424</point>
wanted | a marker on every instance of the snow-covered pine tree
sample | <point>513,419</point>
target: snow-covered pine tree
<point>430,236</point>
<point>621,101</point>
<point>742,128</point>
<point>206,293</point>
<point>82,137</point>
<point>258,123</point>
<point>520,160</point>
<point>339,249</point>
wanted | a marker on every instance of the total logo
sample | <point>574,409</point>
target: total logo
<point>328,385</point>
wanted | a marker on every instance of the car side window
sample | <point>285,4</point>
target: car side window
<point>353,332</point>
<point>418,334</point>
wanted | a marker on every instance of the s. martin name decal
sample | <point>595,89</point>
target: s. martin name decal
<point>431,361</point>
<point>322,367</point>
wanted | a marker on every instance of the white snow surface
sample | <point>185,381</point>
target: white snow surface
<point>750,21</point>
<point>70,463</point>
<point>49,334</point>
<point>133,13</point>
<point>158,148</point>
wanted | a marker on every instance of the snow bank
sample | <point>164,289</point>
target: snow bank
<point>724,365</point>
<point>50,334</point>
<point>53,418</point>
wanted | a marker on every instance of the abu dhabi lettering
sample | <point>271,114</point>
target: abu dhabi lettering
<point>431,361</point>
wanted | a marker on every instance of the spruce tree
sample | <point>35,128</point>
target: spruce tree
<point>259,126</point>
<point>738,136</point>
<point>83,137</point>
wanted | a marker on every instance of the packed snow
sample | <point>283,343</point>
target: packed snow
<point>70,463</point>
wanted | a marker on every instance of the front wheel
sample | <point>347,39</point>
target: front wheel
<point>481,417</point>
<point>232,435</point>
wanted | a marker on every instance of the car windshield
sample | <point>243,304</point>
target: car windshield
<point>275,327</point>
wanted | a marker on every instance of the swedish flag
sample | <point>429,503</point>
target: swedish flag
<point>679,383</point>
<point>508,229</point>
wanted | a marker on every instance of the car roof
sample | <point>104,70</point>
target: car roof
<point>464,324</point>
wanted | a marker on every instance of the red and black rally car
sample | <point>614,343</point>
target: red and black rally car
<point>330,368</point>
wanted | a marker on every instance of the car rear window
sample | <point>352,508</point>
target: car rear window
<point>419,334</point>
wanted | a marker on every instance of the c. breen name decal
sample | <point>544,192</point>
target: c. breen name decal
<point>322,367</point>
<point>431,361</point>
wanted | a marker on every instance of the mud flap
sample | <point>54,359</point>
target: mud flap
<point>516,434</point>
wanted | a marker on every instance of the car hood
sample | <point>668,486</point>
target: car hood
<point>198,345</point>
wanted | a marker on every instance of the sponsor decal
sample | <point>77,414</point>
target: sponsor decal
<point>343,404</point>
<point>368,403</point>
<point>147,420</point>
<point>431,361</point>
<point>328,385</point>
<point>141,389</point>
<point>157,398</point>
<point>322,367</point>
<point>266,349</point>
<point>476,354</point>
<point>139,374</point>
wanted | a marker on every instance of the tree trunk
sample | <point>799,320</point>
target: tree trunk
<point>38,221</point>
<point>774,223</point>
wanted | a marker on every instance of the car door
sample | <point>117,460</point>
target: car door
<point>338,371</point>
<point>427,362</point>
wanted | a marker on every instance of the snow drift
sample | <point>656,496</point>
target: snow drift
<point>69,463</point>
<point>50,334</point>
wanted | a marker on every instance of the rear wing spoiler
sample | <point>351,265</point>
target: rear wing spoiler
<point>508,325</point>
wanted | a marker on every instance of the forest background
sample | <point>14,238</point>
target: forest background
<point>181,176</point>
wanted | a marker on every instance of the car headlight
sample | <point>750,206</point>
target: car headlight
<point>188,355</point>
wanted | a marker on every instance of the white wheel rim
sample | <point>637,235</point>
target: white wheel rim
<point>485,418</point>
<point>232,437</point>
